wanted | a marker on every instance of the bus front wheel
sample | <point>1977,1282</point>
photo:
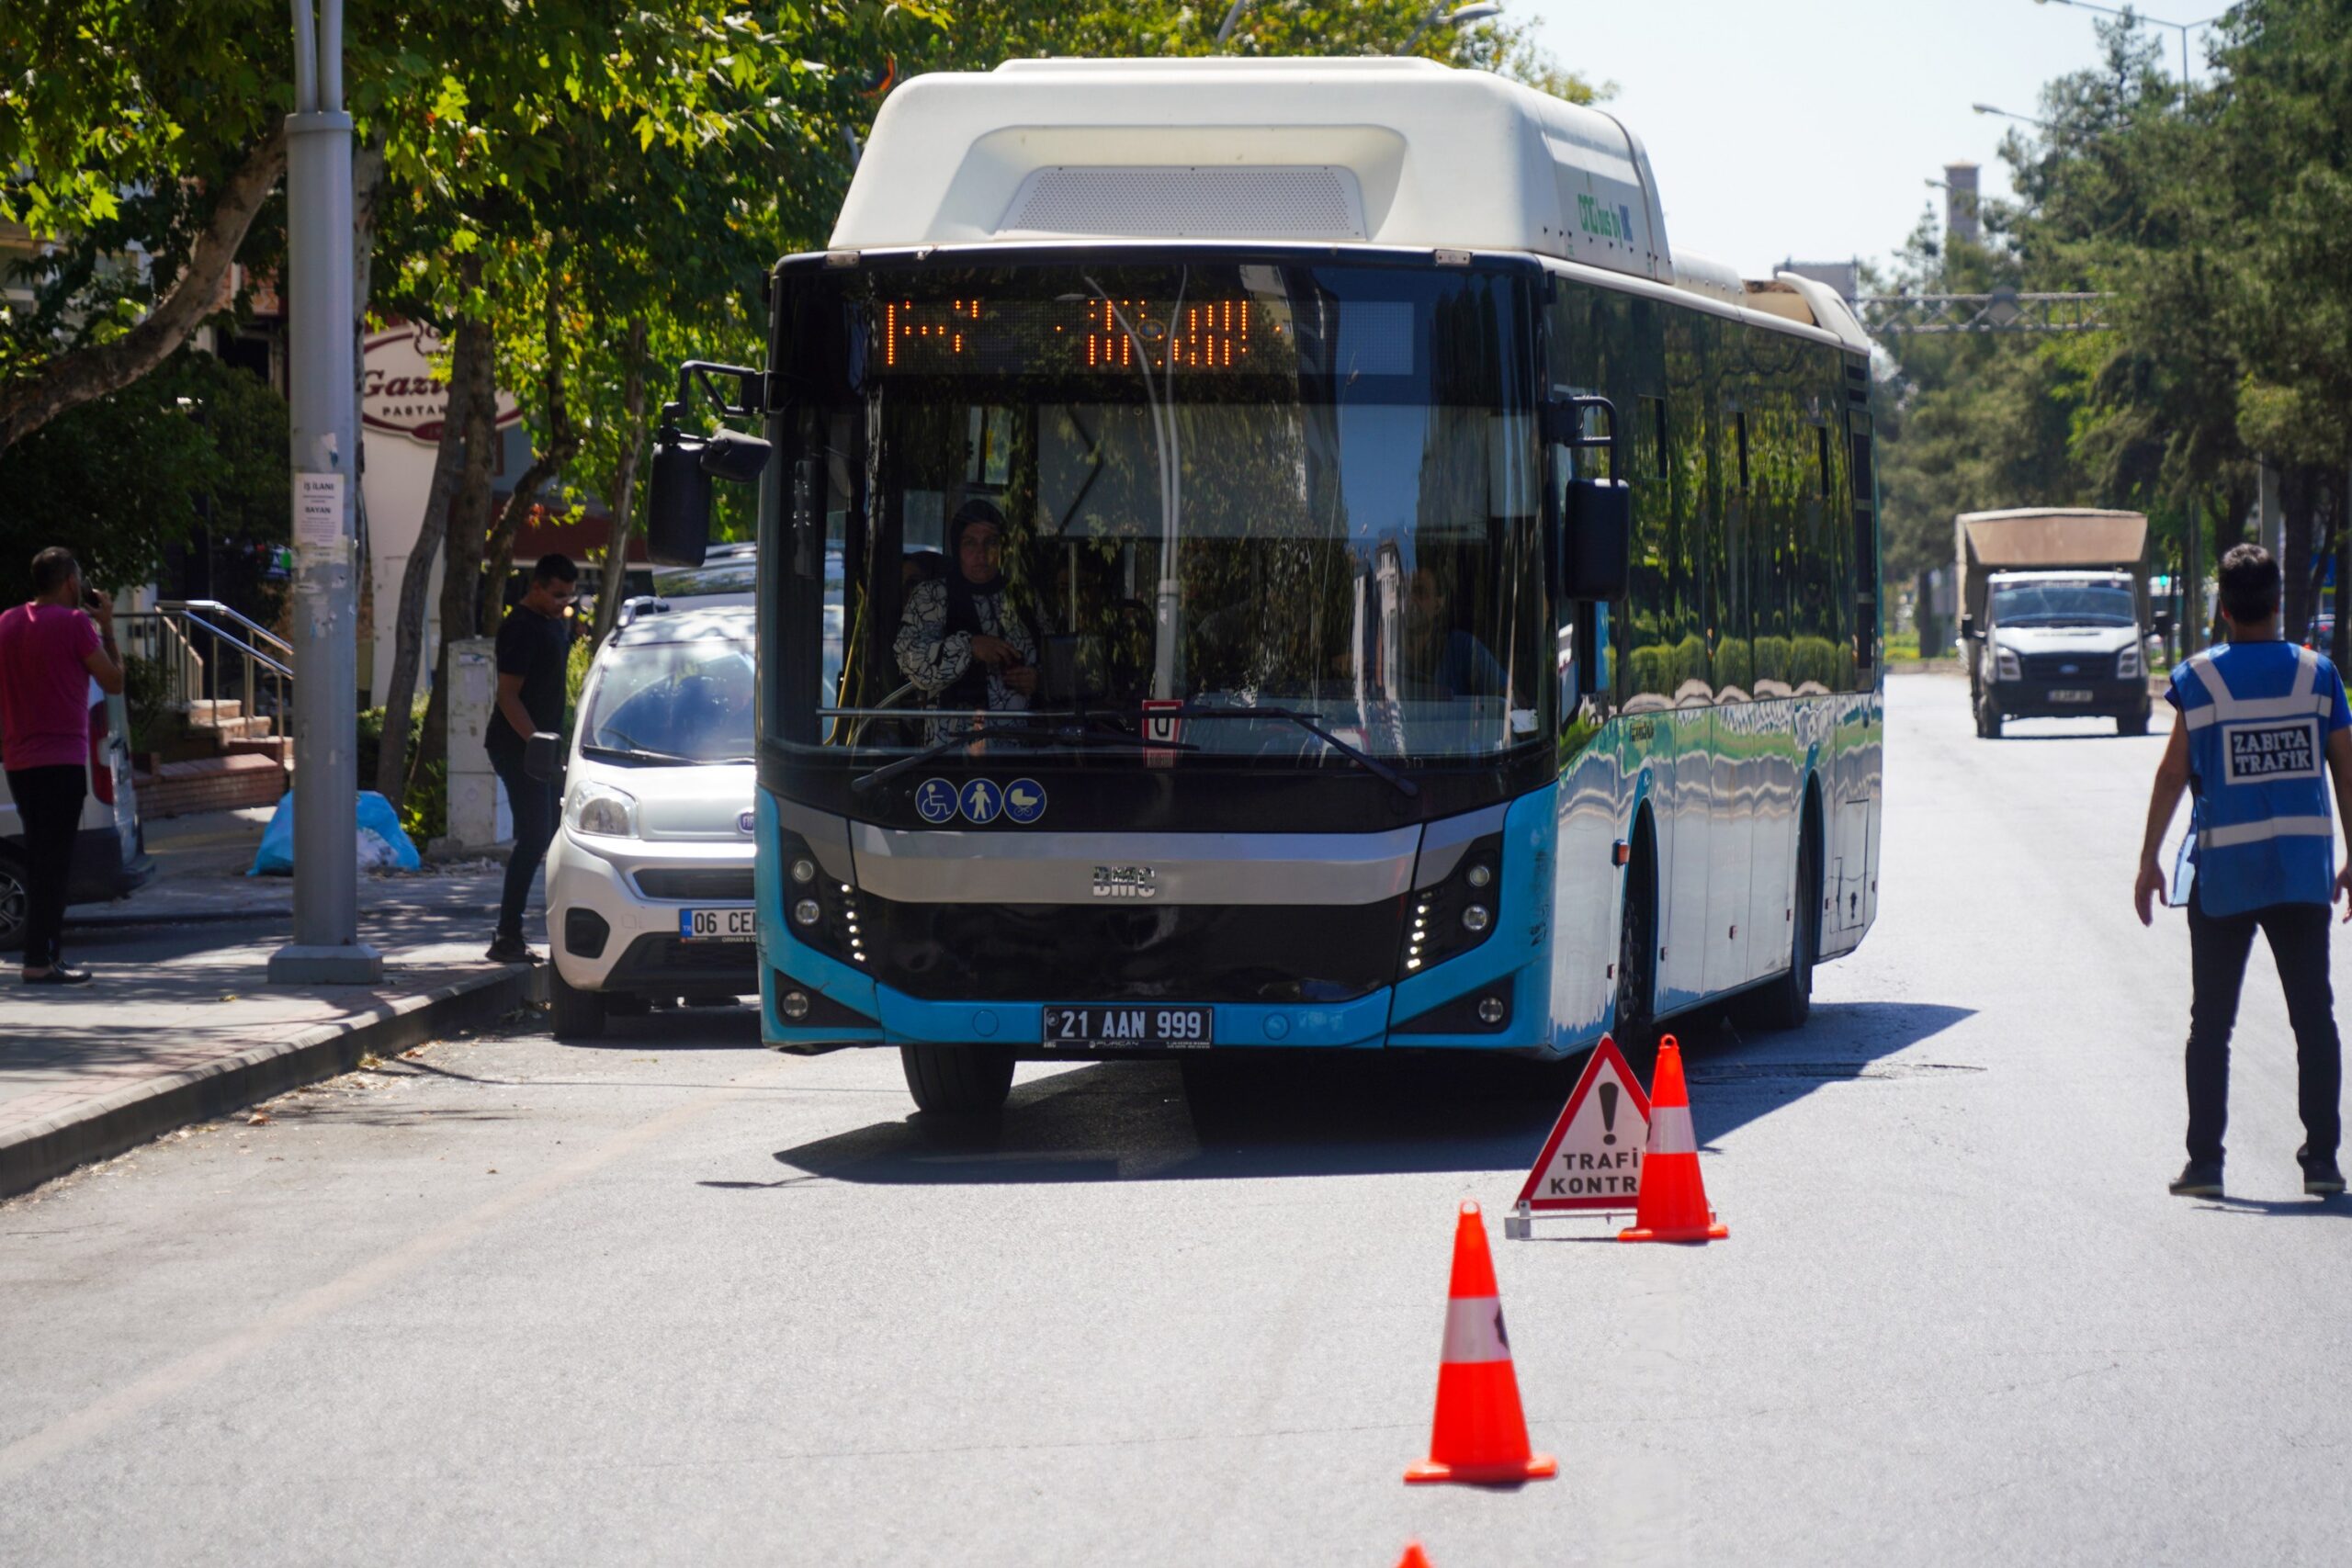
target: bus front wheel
<point>957,1081</point>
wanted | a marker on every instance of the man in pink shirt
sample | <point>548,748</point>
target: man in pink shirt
<point>50,652</point>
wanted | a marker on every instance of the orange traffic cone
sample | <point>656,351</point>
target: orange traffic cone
<point>1480,1435</point>
<point>1673,1201</point>
<point>1414,1556</point>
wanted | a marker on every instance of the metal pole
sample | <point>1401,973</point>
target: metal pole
<point>326,949</point>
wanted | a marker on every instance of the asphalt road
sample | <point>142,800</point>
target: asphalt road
<point>673,1299</point>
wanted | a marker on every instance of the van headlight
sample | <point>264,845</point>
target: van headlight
<point>2005,665</point>
<point>601,811</point>
<point>2127,663</point>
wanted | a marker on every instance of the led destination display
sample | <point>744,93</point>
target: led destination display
<point>1221,335</point>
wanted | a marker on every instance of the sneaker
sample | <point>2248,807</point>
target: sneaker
<point>2321,1176</point>
<point>511,950</point>
<point>2199,1178</point>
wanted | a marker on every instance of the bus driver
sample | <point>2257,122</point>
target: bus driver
<point>960,641</point>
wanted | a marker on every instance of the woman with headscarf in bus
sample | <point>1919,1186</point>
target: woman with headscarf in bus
<point>961,641</point>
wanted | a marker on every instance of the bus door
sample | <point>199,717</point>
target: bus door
<point>1731,818</point>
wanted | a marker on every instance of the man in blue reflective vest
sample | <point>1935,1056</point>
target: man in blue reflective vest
<point>2260,727</point>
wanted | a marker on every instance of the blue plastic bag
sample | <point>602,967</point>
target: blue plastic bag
<point>380,842</point>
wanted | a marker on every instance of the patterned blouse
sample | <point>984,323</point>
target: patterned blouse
<point>934,657</point>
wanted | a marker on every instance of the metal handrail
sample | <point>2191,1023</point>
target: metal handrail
<point>214,607</point>
<point>200,680</point>
<point>285,672</point>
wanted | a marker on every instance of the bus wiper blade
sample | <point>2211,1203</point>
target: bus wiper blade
<point>1305,721</point>
<point>931,752</point>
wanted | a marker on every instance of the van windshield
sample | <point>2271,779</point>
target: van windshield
<point>2063,603</point>
<point>673,702</point>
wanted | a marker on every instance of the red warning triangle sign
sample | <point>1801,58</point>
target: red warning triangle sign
<point>1593,1158</point>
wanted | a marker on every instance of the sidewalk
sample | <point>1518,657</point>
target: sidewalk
<point>181,1022</point>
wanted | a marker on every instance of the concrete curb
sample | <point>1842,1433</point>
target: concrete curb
<point>43,1150</point>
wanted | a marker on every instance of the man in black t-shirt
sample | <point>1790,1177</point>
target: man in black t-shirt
<point>534,645</point>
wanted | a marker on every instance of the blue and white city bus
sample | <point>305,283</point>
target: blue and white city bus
<point>1313,396</point>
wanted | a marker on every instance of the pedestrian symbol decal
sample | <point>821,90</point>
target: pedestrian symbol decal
<point>982,801</point>
<point>1025,801</point>
<point>935,801</point>
<point>1593,1158</point>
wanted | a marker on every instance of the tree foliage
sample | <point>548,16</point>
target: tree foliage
<point>2219,221</point>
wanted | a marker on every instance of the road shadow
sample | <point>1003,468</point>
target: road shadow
<point>1738,1077</point>
<point>1335,1115</point>
<point>2338,1207</point>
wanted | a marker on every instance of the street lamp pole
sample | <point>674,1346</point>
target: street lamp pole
<point>326,949</point>
<point>2183,29</point>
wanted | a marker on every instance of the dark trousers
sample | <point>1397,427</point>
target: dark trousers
<point>534,804</point>
<point>48,803</point>
<point>2218,945</point>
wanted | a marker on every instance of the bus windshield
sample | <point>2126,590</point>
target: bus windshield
<point>1068,495</point>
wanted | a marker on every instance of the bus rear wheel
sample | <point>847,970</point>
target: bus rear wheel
<point>1636,1009</point>
<point>1787,1002</point>
<point>957,1081</point>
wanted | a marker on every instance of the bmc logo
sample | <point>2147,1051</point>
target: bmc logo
<point>1126,882</point>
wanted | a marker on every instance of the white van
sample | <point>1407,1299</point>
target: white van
<point>649,872</point>
<point>110,856</point>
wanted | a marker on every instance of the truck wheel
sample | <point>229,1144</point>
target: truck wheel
<point>957,1081</point>
<point>572,1014</point>
<point>1787,1002</point>
<point>14,902</point>
<point>2132,723</point>
<point>1988,721</point>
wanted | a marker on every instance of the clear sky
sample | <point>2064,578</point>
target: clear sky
<point>1803,128</point>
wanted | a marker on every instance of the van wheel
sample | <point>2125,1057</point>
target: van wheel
<point>574,1014</point>
<point>1988,721</point>
<point>14,904</point>
<point>957,1081</point>
<point>1787,1002</point>
<point>2132,723</point>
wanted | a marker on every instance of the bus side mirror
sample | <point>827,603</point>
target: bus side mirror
<point>1596,552</point>
<point>677,523</point>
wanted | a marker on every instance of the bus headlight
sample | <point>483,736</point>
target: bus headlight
<point>601,811</point>
<point>1455,915</point>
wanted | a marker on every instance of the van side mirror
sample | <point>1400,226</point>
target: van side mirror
<point>1968,628</point>
<point>543,756</point>
<point>2162,622</point>
<point>1593,546</point>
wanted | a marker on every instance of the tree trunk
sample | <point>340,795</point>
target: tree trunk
<point>2335,485</point>
<point>416,576</point>
<point>2295,563</point>
<point>624,490</point>
<point>83,375</point>
<point>469,526</point>
<point>367,180</point>
<point>497,552</point>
